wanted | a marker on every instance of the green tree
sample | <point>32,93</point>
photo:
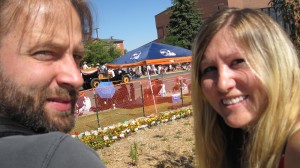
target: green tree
<point>100,52</point>
<point>290,11</point>
<point>185,21</point>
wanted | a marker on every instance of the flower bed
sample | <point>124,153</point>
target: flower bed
<point>98,139</point>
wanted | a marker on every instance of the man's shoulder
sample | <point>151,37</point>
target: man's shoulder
<point>49,150</point>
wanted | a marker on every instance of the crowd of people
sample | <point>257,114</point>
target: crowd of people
<point>138,71</point>
<point>245,81</point>
<point>161,69</point>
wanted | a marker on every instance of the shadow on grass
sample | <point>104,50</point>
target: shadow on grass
<point>176,161</point>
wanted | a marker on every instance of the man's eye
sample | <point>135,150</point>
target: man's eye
<point>43,55</point>
<point>77,58</point>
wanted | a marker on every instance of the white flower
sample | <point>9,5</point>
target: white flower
<point>105,138</point>
<point>105,129</point>
<point>173,117</point>
<point>95,133</point>
<point>73,136</point>
<point>80,136</point>
<point>122,135</point>
<point>114,137</point>
<point>142,126</point>
<point>153,122</point>
<point>136,129</point>
<point>87,133</point>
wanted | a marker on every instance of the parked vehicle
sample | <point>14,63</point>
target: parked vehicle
<point>93,76</point>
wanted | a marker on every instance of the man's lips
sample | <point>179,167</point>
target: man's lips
<point>59,104</point>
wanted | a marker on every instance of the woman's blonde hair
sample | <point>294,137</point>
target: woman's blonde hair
<point>273,58</point>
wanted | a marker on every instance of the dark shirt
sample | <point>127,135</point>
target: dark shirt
<point>21,147</point>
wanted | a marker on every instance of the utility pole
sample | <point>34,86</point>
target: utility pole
<point>97,32</point>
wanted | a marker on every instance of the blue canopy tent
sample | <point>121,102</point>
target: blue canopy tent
<point>152,53</point>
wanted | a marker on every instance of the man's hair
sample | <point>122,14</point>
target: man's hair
<point>273,59</point>
<point>16,11</point>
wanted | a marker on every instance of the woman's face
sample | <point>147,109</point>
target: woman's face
<point>228,83</point>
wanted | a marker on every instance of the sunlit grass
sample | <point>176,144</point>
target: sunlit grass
<point>114,116</point>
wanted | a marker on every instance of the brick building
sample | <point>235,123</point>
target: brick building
<point>116,42</point>
<point>209,7</point>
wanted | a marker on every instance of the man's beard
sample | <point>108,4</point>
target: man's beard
<point>26,105</point>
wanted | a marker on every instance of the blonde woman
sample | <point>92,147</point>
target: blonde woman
<point>246,93</point>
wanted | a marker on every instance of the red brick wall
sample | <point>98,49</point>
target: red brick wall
<point>207,8</point>
<point>120,46</point>
<point>248,3</point>
<point>162,19</point>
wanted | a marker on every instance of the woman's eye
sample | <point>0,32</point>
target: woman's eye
<point>238,61</point>
<point>208,69</point>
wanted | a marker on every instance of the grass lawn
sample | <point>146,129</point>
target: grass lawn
<point>114,116</point>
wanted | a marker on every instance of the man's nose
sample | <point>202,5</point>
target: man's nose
<point>69,75</point>
<point>225,79</point>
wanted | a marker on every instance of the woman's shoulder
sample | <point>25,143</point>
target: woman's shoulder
<point>292,152</point>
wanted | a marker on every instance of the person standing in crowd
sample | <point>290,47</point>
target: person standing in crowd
<point>85,66</point>
<point>44,40</point>
<point>246,93</point>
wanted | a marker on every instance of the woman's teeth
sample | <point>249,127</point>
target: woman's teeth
<point>233,100</point>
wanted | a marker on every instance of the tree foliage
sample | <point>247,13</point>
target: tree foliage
<point>185,21</point>
<point>100,52</point>
<point>290,11</point>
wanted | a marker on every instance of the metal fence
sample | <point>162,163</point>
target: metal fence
<point>131,100</point>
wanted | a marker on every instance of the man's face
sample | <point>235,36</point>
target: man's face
<point>40,77</point>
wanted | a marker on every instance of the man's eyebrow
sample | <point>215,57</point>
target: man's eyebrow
<point>48,44</point>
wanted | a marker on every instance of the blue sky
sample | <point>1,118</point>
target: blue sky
<point>130,20</point>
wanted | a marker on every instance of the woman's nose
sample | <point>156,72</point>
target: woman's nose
<point>225,79</point>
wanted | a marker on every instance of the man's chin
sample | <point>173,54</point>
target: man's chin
<point>63,121</point>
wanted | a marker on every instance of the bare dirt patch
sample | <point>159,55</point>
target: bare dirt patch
<point>167,145</point>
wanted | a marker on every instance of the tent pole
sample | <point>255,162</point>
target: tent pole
<point>142,93</point>
<point>181,95</point>
<point>151,89</point>
<point>96,103</point>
